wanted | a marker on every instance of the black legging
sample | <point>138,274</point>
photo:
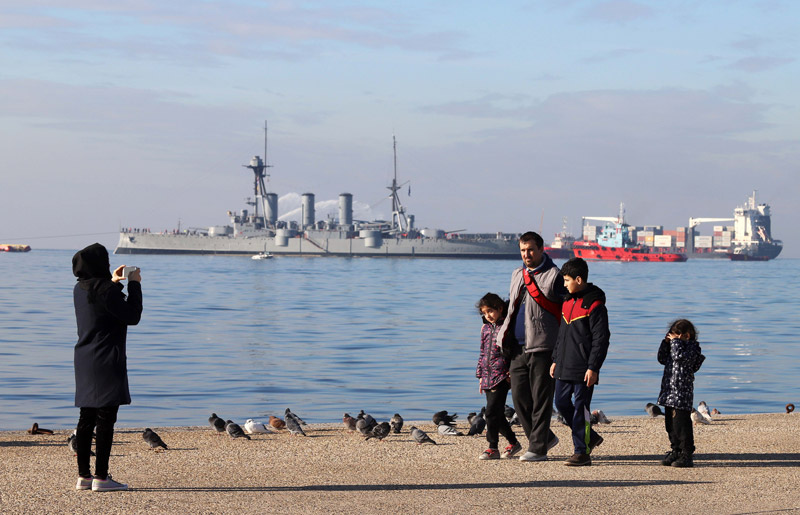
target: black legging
<point>495,416</point>
<point>103,419</point>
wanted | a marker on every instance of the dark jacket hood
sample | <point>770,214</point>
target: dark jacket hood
<point>91,266</point>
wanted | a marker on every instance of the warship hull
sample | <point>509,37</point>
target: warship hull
<point>152,243</point>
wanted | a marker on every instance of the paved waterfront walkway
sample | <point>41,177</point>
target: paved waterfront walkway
<point>744,464</point>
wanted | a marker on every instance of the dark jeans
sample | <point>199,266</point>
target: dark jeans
<point>679,428</point>
<point>495,416</point>
<point>103,419</point>
<point>577,415</point>
<point>532,393</point>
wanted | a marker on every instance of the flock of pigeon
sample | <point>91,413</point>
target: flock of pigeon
<point>700,415</point>
<point>366,425</point>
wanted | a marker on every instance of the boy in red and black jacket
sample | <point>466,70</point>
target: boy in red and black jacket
<point>579,353</point>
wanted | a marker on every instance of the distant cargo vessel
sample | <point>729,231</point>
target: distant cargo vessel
<point>748,239</point>
<point>262,232</point>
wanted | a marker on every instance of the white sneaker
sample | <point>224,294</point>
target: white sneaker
<point>84,483</point>
<point>107,485</point>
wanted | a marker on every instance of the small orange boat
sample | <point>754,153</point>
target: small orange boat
<point>14,247</point>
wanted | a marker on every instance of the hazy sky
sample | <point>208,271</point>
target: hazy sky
<point>509,117</point>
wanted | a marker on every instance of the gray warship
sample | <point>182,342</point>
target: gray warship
<point>261,233</point>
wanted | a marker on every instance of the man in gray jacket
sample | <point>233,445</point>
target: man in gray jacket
<point>528,336</point>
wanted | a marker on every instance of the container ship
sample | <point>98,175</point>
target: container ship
<point>616,243</point>
<point>262,233</point>
<point>748,239</point>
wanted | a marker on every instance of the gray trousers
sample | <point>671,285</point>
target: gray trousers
<point>532,392</point>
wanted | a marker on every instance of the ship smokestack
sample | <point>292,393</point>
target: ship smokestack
<point>345,209</point>
<point>307,207</point>
<point>272,209</point>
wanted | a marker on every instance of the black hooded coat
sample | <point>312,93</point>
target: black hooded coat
<point>103,315</point>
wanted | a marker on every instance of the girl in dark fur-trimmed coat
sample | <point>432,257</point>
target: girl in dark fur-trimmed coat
<point>680,354</point>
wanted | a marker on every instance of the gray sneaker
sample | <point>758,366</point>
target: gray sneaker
<point>532,456</point>
<point>107,485</point>
<point>84,483</point>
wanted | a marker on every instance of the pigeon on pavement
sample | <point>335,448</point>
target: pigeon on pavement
<point>446,430</point>
<point>477,424</point>
<point>235,430</point>
<point>397,423</point>
<point>276,422</point>
<point>252,427</point>
<point>217,423</point>
<point>380,431</point>
<point>349,422</point>
<point>293,425</point>
<point>420,436</point>
<point>441,417</point>
<point>152,438</point>
<point>653,410</point>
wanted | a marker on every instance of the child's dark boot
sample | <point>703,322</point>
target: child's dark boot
<point>670,458</point>
<point>683,461</point>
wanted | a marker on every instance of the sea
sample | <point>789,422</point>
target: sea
<point>324,336</point>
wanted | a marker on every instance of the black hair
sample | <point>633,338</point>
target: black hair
<point>576,267</point>
<point>534,237</point>
<point>683,326</point>
<point>492,300</point>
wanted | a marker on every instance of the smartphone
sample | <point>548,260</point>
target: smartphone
<point>126,271</point>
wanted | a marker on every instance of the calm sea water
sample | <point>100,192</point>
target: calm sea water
<point>323,336</point>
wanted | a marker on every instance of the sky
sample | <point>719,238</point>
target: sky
<point>508,117</point>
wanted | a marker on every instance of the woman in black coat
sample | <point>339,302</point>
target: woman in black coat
<point>103,314</point>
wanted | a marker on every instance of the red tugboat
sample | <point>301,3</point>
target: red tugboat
<point>615,244</point>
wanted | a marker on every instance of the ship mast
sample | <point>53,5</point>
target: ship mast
<point>399,220</point>
<point>259,169</point>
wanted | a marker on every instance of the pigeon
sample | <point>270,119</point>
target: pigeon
<point>297,419</point>
<point>380,431</point>
<point>217,423</point>
<point>698,418</point>
<point>276,422</point>
<point>349,422</point>
<point>508,411</point>
<point>371,422</point>
<point>235,430</point>
<point>72,443</point>
<point>421,436</point>
<point>446,430</point>
<point>252,427</point>
<point>715,411</point>
<point>559,417</point>
<point>441,417</point>
<point>600,416</point>
<point>293,424</point>
<point>514,420</point>
<point>702,409</point>
<point>471,415</point>
<point>397,423</point>
<point>653,410</point>
<point>477,424</point>
<point>153,439</point>
<point>36,430</point>
<point>362,426</point>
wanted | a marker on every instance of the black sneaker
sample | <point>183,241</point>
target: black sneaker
<point>670,458</point>
<point>578,460</point>
<point>683,461</point>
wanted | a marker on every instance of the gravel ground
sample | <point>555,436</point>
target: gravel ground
<point>743,464</point>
